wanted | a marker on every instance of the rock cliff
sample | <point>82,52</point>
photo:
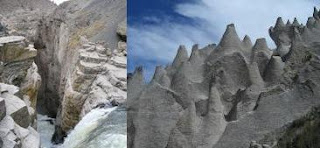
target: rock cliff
<point>228,95</point>
<point>82,60</point>
<point>79,50</point>
<point>19,87</point>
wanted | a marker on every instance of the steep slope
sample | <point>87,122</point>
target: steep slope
<point>227,95</point>
<point>21,17</point>
<point>82,60</point>
<point>80,52</point>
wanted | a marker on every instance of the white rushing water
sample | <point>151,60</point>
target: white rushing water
<point>58,2</point>
<point>100,128</point>
<point>45,127</point>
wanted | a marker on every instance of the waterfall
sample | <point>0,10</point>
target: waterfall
<point>45,127</point>
<point>100,128</point>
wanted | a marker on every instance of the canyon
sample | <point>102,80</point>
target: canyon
<point>235,94</point>
<point>59,64</point>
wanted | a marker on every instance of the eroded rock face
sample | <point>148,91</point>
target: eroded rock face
<point>19,87</point>
<point>82,60</point>
<point>227,95</point>
<point>16,127</point>
<point>22,17</point>
<point>97,79</point>
<point>18,67</point>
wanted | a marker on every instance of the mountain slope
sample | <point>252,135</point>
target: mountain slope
<point>228,95</point>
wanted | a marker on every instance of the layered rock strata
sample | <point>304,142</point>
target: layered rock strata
<point>82,59</point>
<point>19,87</point>
<point>227,95</point>
<point>16,120</point>
<point>81,56</point>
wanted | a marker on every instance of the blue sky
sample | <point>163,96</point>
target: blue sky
<point>156,28</point>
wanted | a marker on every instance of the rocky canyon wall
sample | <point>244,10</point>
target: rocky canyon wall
<point>79,50</point>
<point>82,59</point>
<point>229,94</point>
<point>19,86</point>
<point>20,80</point>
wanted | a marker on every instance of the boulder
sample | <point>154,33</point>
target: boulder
<point>17,109</point>
<point>6,125</point>
<point>15,49</point>
<point>20,131</point>
<point>32,140</point>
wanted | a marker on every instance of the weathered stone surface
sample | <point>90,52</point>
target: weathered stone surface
<point>20,131</point>
<point>2,109</point>
<point>31,85</point>
<point>6,125</point>
<point>14,49</point>
<point>31,140</point>
<point>3,30</point>
<point>22,17</point>
<point>81,60</point>
<point>14,128</point>
<point>122,30</point>
<point>11,39</point>
<point>228,95</point>
<point>97,79</point>
<point>17,109</point>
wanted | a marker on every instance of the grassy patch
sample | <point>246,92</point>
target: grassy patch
<point>89,31</point>
<point>303,133</point>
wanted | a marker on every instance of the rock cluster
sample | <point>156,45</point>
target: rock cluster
<point>229,94</point>
<point>16,120</point>
<point>19,86</point>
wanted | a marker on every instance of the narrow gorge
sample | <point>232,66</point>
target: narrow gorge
<point>235,94</point>
<point>62,66</point>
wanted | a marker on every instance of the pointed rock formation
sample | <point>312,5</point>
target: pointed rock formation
<point>160,76</point>
<point>230,38</point>
<point>279,23</point>
<point>261,54</point>
<point>288,23</point>
<point>229,44</point>
<point>227,100</point>
<point>261,45</point>
<point>311,22</point>
<point>295,22</point>
<point>274,70</point>
<point>196,55</point>
<point>194,52</point>
<point>195,47</point>
<point>181,56</point>
<point>315,13</point>
<point>246,42</point>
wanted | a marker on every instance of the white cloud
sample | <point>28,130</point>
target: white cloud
<point>252,17</point>
<point>159,42</point>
